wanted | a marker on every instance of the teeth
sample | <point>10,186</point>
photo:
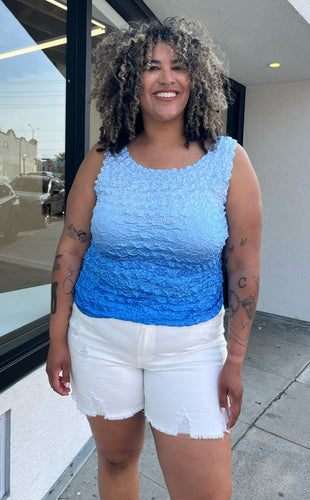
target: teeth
<point>166,94</point>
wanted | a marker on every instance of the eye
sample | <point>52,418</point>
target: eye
<point>153,68</point>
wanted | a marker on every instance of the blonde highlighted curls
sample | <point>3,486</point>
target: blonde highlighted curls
<point>120,61</point>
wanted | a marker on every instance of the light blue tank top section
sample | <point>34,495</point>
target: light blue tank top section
<point>157,238</point>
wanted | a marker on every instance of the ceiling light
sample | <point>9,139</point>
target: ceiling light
<point>58,4</point>
<point>46,45</point>
<point>274,65</point>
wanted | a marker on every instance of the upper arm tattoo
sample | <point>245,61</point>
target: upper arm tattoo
<point>229,250</point>
<point>77,234</point>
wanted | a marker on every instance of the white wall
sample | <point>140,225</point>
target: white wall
<point>277,139</point>
<point>47,432</point>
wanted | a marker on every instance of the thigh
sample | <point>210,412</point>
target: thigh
<point>118,441</point>
<point>199,469</point>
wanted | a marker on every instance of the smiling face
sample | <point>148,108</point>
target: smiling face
<point>166,86</point>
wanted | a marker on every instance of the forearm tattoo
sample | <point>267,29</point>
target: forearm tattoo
<point>56,262</point>
<point>248,303</point>
<point>54,297</point>
<point>239,328</point>
<point>70,280</point>
<point>77,234</point>
<point>236,331</point>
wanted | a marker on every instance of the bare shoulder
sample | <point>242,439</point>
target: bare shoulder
<point>244,204</point>
<point>91,165</point>
<point>242,162</point>
<point>243,174</point>
<point>82,198</point>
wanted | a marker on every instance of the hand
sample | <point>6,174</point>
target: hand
<point>230,384</point>
<point>58,368</point>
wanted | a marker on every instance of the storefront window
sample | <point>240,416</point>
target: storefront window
<point>32,154</point>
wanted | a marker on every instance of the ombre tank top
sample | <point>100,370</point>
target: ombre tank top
<point>157,239</point>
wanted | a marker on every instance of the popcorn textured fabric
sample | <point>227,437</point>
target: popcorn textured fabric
<point>155,256</point>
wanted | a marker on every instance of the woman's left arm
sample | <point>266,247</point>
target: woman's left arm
<point>242,261</point>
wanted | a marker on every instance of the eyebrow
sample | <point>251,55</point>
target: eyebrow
<point>157,61</point>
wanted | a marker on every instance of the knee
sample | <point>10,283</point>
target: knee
<point>118,458</point>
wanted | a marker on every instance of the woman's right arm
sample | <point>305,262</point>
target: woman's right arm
<point>73,244</point>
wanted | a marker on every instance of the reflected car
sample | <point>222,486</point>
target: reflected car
<point>40,197</point>
<point>9,211</point>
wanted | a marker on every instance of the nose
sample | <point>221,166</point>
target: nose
<point>166,76</point>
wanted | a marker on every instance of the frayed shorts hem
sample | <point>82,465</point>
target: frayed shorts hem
<point>192,435</point>
<point>164,430</point>
<point>105,414</point>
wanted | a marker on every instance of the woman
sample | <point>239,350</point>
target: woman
<point>145,333</point>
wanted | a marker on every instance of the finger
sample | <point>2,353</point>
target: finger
<point>234,411</point>
<point>66,376</point>
<point>223,398</point>
<point>57,384</point>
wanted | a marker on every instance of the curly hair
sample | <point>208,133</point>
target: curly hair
<point>121,59</point>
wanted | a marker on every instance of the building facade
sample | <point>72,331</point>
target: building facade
<point>17,155</point>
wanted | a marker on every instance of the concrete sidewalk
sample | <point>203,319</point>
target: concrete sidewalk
<point>271,441</point>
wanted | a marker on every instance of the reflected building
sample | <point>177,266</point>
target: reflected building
<point>17,155</point>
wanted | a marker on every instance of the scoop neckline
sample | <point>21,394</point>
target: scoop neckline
<point>187,167</point>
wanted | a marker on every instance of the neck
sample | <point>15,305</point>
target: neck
<point>163,133</point>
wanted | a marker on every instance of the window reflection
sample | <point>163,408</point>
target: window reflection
<point>32,154</point>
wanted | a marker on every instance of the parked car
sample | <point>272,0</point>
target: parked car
<point>40,197</point>
<point>9,211</point>
<point>42,173</point>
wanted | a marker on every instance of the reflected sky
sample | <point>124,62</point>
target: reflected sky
<point>32,91</point>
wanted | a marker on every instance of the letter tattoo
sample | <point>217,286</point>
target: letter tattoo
<point>242,282</point>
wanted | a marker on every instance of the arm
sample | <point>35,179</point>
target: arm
<point>72,247</point>
<point>242,261</point>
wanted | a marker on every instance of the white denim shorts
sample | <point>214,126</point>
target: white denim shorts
<point>120,368</point>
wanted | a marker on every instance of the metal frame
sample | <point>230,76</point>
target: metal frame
<point>130,10</point>
<point>23,350</point>
<point>235,112</point>
<point>77,86</point>
<point>5,452</point>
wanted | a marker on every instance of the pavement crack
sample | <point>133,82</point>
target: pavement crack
<point>276,398</point>
<point>282,437</point>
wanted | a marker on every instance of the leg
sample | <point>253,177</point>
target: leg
<point>119,444</point>
<point>199,469</point>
